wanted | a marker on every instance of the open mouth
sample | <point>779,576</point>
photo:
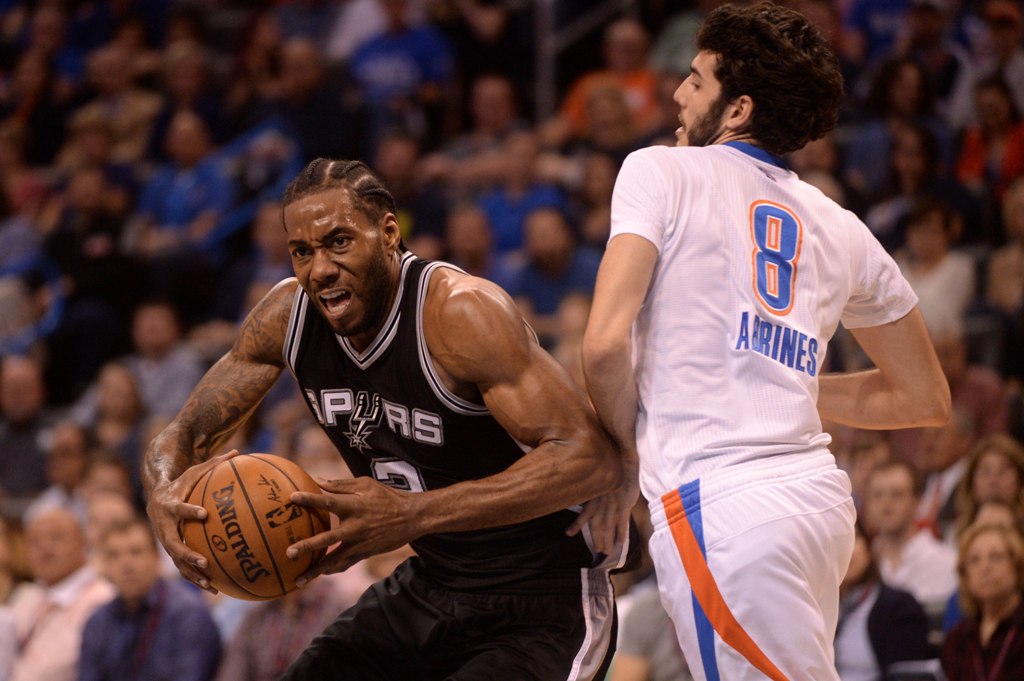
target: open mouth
<point>335,301</point>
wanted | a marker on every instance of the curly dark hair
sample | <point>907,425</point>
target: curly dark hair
<point>778,59</point>
<point>323,174</point>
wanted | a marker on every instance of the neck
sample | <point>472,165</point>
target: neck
<point>736,136</point>
<point>997,609</point>
<point>892,544</point>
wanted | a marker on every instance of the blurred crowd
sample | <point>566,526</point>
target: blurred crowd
<point>144,146</point>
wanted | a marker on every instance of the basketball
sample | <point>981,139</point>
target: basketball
<point>250,523</point>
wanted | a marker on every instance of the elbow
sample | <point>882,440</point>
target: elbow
<point>601,352</point>
<point>942,409</point>
<point>934,408</point>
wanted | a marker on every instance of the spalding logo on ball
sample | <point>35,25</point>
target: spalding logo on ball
<point>250,522</point>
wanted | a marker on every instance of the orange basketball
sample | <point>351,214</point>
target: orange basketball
<point>251,521</point>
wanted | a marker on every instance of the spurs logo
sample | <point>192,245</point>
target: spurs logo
<point>364,420</point>
<point>366,411</point>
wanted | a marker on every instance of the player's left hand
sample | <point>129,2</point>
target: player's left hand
<point>372,518</point>
<point>608,516</point>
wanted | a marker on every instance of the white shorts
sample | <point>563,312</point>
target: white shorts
<point>749,562</point>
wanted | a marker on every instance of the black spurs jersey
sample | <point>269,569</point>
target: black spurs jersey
<point>391,417</point>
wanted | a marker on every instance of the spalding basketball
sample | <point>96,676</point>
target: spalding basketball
<point>251,521</point>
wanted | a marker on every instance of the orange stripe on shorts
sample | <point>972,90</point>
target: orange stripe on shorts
<point>706,590</point>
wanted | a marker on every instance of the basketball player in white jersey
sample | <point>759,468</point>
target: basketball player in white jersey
<point>724,279</point>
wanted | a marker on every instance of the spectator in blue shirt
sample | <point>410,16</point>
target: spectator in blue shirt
<point>556,283</point>
<point>179,208</point>
<point>405,75</point>
<point>154,628</point>
<point>520,193</point>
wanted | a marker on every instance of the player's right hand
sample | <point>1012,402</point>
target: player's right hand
<point>167,508</point>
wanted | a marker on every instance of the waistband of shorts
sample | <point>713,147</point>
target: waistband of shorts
<point>735,479</point>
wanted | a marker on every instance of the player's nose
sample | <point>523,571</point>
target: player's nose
<point>322,269</point>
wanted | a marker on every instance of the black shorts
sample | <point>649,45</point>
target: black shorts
<point>407,628</point>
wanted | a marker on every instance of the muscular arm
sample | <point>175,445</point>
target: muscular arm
<point>228,393</point>
<point>226,396</point>
<point>906,389</point>
<point>477,340</point>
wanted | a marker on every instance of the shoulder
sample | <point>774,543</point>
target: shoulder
<point>469,322</point>
<point>263,332</point>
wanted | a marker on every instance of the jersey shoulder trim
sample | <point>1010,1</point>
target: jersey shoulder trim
<point>448,398</point>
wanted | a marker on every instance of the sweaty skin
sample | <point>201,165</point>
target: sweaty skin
<point>343,259</point>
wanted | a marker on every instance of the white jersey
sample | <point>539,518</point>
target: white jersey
<point>755,271</point>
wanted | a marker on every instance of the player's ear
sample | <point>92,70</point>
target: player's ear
<point>391,232</point>
<point>739,115</point>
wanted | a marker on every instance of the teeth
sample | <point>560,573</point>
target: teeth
<point>333,295</point>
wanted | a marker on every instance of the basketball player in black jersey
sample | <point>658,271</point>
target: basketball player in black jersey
<point>468,442</point>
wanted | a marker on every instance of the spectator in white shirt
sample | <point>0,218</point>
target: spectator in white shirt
<point>909,557</point>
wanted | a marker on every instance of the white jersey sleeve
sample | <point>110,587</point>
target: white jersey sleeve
<point>880,293</point>
<point>639,201</point>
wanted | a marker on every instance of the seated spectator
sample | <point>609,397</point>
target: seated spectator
<point>310,106</point>
<point>987,513</point>
<point>1004,38</point>
<point>908,558</point>
<point>67,461</point>
<point>165,367</point>
<point>626,67</point>
<point>900,96</point>
<point>132,34</point>
<point>986,644</point>
<point>1005,286</point>
<point>25,424</point>
<point>245,282</point>
<point>31,99</point>
<point>928,38</point>
<point>187,86</point>
<point>178,209</point>
<point>50,620</point>
<point>914,174</point>
<point>108,474</point>
<point>864,451</point>
<point>878,625</point>
<point>101,283</point>
<point>611,132</point>
<point>473,161</point>
<point>19,237</point>
<point>994,472</point>
<point>130,109</point>
<point>555,275</point>
<point>977,389</point>
<point>90,144</point>
<point>154,627</point>
<point>992,150</point>
<point>943,454</point>
<point>421,211</point>
<point>27,187</point>
<point>255,75</point>
<point>470,245</point>
<point>942,278</point>
<point>520,192</point>
<point>48,33</point>
<point>271,635</point>
<point>405,78</point>
<point>104,509</point>
<point>592,210</point>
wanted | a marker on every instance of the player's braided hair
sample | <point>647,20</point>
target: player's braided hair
<point>777,58</point>
<point>322,174</point>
